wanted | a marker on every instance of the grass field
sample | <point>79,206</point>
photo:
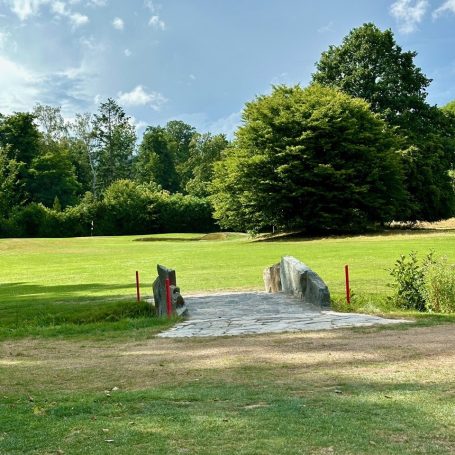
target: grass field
<point>81,370</point>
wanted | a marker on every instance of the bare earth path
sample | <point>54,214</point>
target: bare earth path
<point>248,313</point>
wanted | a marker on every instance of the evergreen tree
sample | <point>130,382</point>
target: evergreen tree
<point>114,141</point>
<point>155,162</point>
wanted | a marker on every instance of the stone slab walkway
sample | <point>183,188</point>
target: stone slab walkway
<point>259,312</point>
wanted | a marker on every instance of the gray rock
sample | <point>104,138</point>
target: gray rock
<point>299,280</point>
<point>159,292</point>
<point>272,278</point>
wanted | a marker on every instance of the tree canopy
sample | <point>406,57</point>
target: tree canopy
<point>311,159</point>
<point>370,65</point>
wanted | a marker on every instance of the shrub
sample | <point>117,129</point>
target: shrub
<point>179,213</point>
<point>127,208</point>
<point>36,220</point>
<point>439,290</point>
<point>409,283</point>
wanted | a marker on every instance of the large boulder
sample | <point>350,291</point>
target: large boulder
<point>299,280</point>
<point>159,292</point>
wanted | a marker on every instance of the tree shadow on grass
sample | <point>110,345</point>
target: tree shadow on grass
<point>24,303</point>
<point>302,237</point>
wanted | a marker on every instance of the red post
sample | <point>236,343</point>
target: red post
<point>348,290</point>
<point>168,297</point>
<point>138,291</point>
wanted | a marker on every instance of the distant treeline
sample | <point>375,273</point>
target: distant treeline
<point>359,147</point>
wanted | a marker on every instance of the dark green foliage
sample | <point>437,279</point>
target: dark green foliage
<point>52,175</point>
<point>370,65</point>
<point>20,134</point>
<point>126,208</point>
<point>155,162</point>
<point>183,213</point>
<point>181,134</point>
<point>409,284</point>
<point>313,159</point>
<point>10,185</point>
<point>114,141</point>
<point>205,150</point>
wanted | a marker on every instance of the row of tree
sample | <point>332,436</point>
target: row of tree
<point>57,164</point>
<point>359,146</point>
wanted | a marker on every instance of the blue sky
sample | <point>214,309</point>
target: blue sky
<point>196,60</point>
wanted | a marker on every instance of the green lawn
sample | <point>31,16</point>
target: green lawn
<point>81,370</point>
<point>53,281</point>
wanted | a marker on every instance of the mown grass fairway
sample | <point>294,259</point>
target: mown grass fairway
<point>82,372</point>
<point>52,281</point>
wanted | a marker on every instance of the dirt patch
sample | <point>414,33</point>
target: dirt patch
<point>426,354</point>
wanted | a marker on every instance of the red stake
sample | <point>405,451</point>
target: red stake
<point>168,297</point>
<point>348,290</point>
<point>138,291</point>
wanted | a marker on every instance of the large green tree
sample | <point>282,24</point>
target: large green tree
<point>84,152</point>
<point>19,132</point>
<point>10,184</point>
<point>311,159</point>
<point>115,139</point>
<point>53,178</point>
<point>21,142</point>
<point>369,64</point>
<point>155,162</point>
<point>205,151</point>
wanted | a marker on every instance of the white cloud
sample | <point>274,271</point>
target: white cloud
<point>59,8</point>
<point>118,23</point>
<point>24,9</point>
<point>139,124</point>
<point>97,2</point>
<point>19,91</point>
<point>23,87</point>
<point>92,44</point>
<point>127,53</point>
<point>409,13</point>
<point>77,20</point>
<point>140,97</point>
<point>447,6</point>
<point>156,22</point>
<point>149,4</point>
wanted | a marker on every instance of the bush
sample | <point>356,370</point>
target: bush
<point>426,286</point>
<point>440,287</point>
<point>126,208</point>
<point>36,220</point>
<point>409,284</point>
<point>178,213</point>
